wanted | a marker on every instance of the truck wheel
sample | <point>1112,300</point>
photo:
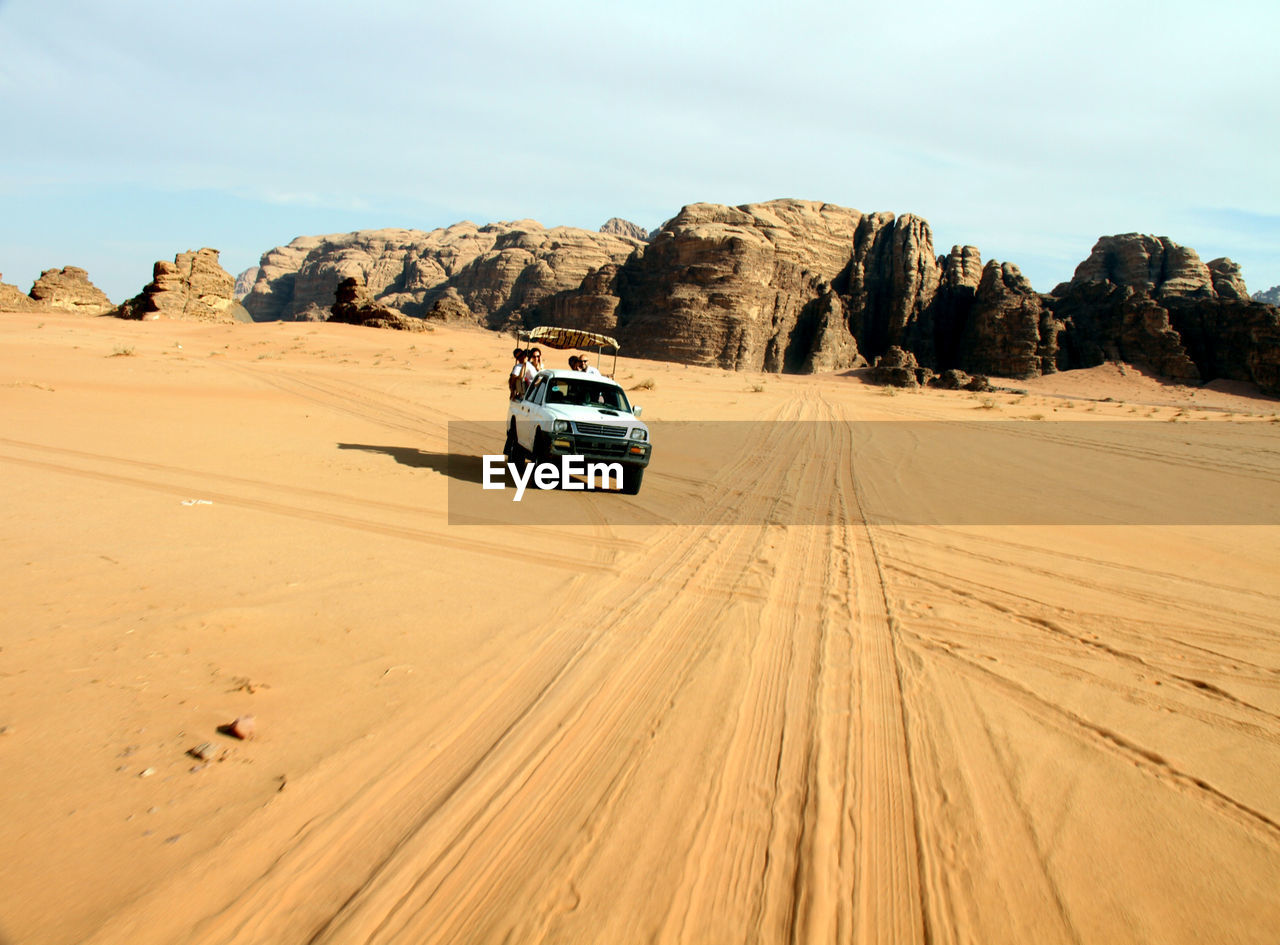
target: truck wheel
<point>512,449</point>
<point>541,448</point>
<point>632,476</point>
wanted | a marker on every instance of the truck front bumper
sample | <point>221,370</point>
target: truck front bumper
<point>598,449</point>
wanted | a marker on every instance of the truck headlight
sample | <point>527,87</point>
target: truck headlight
<point>639,434</point>
<point>560,426</point>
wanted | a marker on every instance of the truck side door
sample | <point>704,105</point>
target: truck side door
<point>529,411</point>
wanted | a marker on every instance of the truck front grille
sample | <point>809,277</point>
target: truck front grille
<point>600,429</point>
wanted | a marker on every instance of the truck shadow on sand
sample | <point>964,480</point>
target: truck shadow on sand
<point>460,466</point>
<point>463,467</point>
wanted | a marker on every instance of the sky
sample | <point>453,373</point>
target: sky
<point>138,129</point>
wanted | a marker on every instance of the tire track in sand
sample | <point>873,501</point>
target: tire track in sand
<point>767,737</point>
<point>412,822</point>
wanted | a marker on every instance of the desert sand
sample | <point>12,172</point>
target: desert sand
<point>694,733</point>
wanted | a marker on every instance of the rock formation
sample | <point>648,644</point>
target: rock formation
<point>1151,265</point>
<point>953,379</point>
<point>898,368</point>
<point>245,281</point>
<point>449,307</point>
<point>798,286</point>
<point>13,299</point>
<point>1147,300</point>
<point>194,287</point>
<point>891,281</point>
<point>592,306</point>
<point>741,287</point>
<point>1269,296</point>
<point>616,226</point>
<point>1228,281</point>
<point>831,345</point>
<point>68,289</point>
<point>272,292</point>
<point>497,272</point>
<point>353,306</point>
<point>1008,332</point>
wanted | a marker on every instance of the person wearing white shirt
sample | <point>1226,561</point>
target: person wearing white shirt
<point>532,365</point>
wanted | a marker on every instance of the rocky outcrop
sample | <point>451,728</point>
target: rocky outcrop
<point>1269,296</point>
<point>799,286</point>
<point>69,290</point>
<point>449,307</point>
<point>592,306</point>
<point>271,296</point>
<point>891,281</point>
<point>823,328</point>
<point>1008,332</point>
<point>13,299</point>
<point>958,380</point>
<point>898,368</point>
<point>353,306</point>
<point>616,226</point>
<point>1228,280</point>
<point>740,287</point>
<point>194,287</point>
<point>947,316</point>
<point>796,286</point>
<point>498,272</point>
<point>1229,338</point>
<point>1147,300</point>
<point>1150,265</point>
<point>245,281</point>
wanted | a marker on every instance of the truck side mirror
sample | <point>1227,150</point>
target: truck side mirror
<point>635,411</point>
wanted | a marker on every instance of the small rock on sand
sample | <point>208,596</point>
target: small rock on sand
<point>244,727</point>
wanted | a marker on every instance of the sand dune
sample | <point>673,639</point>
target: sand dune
<point>763,731</point>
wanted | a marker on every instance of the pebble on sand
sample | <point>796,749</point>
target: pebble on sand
<point>243,727</point>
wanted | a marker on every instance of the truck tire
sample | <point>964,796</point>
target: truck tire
<point>512,449</point>
<point>541,448</point>
<point>632,476</point>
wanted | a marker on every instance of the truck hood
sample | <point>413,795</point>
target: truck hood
<point>584,414</point>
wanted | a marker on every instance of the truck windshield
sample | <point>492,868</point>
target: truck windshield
<point>565,390</point>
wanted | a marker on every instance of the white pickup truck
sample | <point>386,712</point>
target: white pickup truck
<point>570,413</point>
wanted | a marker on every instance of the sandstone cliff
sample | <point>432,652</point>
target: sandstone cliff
<point>748,288</point>
<point>13,299</point>
<point>194,287</point>
<point>617,226</point>
<point>1148,300</point>
<point>798,286</point>
<point>245,281</point>
<point>1008,332</point>
<point>891,281</point>
<point>1270,296</point>
<point>353,306</point>
<point>272,290</point>
<point>494,272</point>
<point>69,290</point>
